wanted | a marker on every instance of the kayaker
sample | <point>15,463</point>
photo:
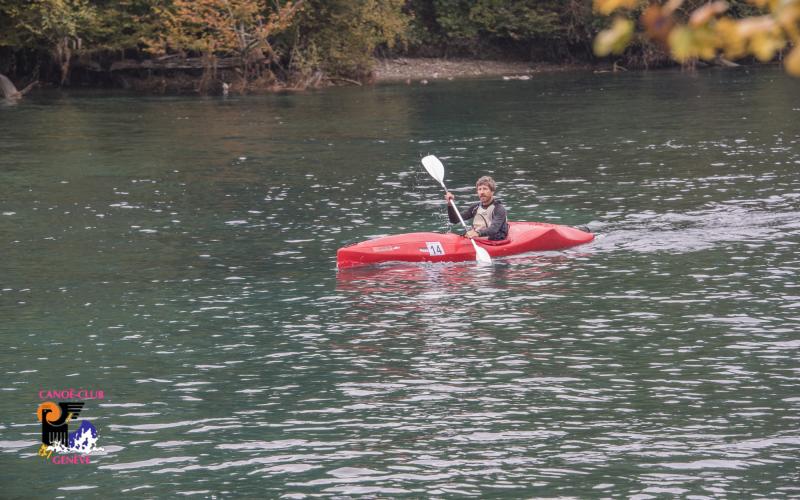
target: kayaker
<point>489,214</point>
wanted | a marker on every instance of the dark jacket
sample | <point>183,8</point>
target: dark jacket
<point>498,228</point>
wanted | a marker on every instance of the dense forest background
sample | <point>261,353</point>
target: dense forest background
<point>202,45</point>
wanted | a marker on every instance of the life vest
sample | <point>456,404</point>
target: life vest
<point>483,217</point>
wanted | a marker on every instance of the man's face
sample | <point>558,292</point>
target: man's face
<point>484,193</point>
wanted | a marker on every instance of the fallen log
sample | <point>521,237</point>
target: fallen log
<point>9,91</point>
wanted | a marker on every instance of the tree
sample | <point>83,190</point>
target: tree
<point>557,29</point>
<point>238,28</point>
<point>502,19</point>
<point>131,24</point>
<point>705,31</point>
<point>58,26</point>
<point>340,36</point>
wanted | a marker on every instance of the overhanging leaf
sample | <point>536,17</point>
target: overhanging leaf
<point>792,62</point>
<point>606,7</point>
<point>615,39</point>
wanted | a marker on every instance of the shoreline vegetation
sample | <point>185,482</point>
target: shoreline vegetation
<point>255,46</point>
<point>186,76</point>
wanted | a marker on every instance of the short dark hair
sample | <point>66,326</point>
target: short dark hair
<point>488,182</point>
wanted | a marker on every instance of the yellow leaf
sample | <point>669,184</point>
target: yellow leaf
<point>749,26</point>
<point>681,44</point>
<point>789,18</point>
<point>705,43</point>
<point>730,38</point>
<point>705,13</point>
<point>792,62</point>
<point>615,39</point>
<point>765,44</point>
<point>606,7</point>
<point>686,43</point>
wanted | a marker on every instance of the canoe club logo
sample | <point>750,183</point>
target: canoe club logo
<point>57,417</point>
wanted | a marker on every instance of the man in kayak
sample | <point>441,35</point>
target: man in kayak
<point>489,214</point>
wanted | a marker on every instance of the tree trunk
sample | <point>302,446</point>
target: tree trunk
<point>63,54</point>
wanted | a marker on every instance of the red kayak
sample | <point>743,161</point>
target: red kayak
<point>437,247</point>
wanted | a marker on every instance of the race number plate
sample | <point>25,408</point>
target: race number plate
<point>434,248</point>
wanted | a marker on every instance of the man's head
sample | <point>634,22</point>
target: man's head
<point>486,188</point>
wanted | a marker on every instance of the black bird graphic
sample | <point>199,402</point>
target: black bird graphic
<point>55,420</point>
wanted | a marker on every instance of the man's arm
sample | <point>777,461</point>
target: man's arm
<point>466,214</point>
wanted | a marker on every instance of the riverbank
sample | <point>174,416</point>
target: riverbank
<point>184,78</point>
<point>173,78</point>
<point>149,78</point>
<point>404,69</point>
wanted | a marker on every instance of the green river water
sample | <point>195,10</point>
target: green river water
<point>178,254</point>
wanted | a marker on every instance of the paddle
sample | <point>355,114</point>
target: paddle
<point>436,169</point>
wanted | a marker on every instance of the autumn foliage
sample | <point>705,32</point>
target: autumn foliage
<point>219,28</point>
<point>244,45</point>
<point>707,31</point>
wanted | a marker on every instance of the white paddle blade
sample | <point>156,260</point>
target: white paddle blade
<point>481,255</point>
<point>434,167</point>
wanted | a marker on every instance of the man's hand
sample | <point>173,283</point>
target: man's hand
<point>472,234</point>
<point>448,196</point>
